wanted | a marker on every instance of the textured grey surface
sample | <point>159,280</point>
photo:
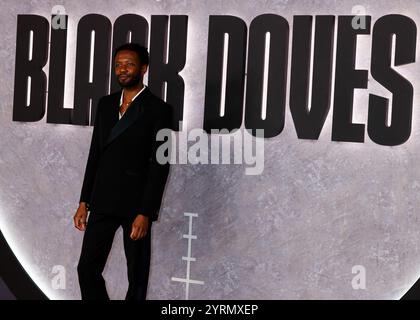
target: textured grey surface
<point>296,231</point>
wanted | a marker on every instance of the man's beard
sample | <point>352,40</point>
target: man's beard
<point>132,82</point>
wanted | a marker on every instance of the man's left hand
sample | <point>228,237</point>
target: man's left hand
<point>140,227</point>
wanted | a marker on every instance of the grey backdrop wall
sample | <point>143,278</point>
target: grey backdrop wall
<point>294,232</point>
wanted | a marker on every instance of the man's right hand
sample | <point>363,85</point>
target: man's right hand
<point>80,217</point>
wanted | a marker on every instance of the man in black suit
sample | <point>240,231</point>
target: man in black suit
<point>124,181</point>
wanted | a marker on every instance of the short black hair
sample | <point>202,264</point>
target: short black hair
<point>135,47</point>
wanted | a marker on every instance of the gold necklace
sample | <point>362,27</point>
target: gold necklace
<point>126,104</point>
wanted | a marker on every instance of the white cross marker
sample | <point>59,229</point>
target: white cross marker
<point>188,258</point>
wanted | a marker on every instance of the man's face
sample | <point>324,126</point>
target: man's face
<point>128,69</point>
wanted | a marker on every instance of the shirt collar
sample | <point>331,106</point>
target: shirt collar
<point>122,94</point>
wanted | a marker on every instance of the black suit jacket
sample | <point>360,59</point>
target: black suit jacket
<point>122,176</point>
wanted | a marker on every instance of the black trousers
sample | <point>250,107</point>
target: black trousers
<point>97,242</point>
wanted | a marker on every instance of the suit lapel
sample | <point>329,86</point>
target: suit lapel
<point>130,116</point>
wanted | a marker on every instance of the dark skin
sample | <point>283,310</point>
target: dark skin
<point>130,72</point>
